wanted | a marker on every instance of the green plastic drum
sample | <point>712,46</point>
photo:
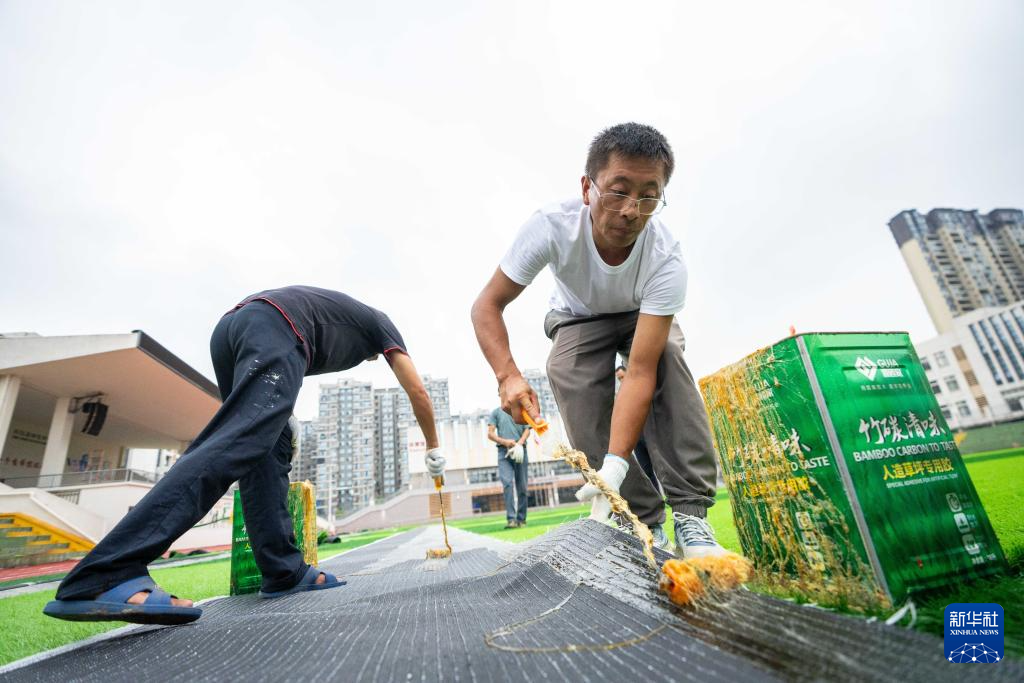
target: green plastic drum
<point>846,483</point>
<point>245,575</point>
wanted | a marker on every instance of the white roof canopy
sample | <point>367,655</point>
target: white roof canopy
<point>155,399</point>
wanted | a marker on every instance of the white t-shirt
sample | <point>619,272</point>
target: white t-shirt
<point>652,279</point>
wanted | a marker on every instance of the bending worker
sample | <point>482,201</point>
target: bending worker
<point>261,350</point>
<point>619,282</point>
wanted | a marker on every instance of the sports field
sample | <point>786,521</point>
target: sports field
<point>998,476</point>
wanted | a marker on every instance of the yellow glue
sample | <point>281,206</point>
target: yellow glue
<point>446,551</point>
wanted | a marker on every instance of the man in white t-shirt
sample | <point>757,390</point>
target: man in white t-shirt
<point>619,281</point>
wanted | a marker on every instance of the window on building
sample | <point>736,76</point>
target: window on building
<point>544,469</point>
<point>1014,404</point>
<point>925,364</point>
<point>946,413</point>
<point>936,389</point>
<point>940,359</point>
<point>963,409</point>
<point>952,384</point>
<point>483,474</point>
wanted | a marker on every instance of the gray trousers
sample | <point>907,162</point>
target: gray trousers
<point>581,369</point>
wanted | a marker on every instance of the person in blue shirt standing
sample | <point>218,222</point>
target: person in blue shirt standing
<point>512,463</point>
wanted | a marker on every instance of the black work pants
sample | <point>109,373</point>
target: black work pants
<point>259,363</point>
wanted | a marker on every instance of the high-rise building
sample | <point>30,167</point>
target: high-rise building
<point>346,445</point>
<point>962,261</point>
<point>393,415</point>
<point>539,381</point>
<point>304,463</point>
<point>437,387</point>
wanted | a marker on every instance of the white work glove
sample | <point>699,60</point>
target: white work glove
<point>435,463</point>
<point>612,472</point>
<point>293,425</point>
<point>515,454</point>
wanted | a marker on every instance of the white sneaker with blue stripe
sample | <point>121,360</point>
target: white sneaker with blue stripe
<point>695,537</point>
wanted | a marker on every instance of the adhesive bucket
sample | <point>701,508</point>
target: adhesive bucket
<point>846,483</point>
<point>245,575</point>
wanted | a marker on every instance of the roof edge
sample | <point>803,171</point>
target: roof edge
<point>157,352</point>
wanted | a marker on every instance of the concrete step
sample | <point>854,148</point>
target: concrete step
<point>24,550</point>
<point>37,558</point>
<point>28,536</point>
<point>22,545</point>
<point>9,557</point>
<point>13,542</point>
<point>35,548</point>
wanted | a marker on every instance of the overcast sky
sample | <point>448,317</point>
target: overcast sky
<point>160,161</point>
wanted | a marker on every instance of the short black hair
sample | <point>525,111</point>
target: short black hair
<point>634,140</point>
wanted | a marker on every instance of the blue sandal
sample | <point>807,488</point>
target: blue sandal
<point>113,605</point>
<point>307,583</point>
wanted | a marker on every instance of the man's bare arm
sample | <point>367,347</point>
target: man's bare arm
<point>492,435</point>
<point>492,335</point>
<point>633,401</point>
<point>422,407</point>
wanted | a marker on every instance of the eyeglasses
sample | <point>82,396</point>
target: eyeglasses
<point>621,203</point>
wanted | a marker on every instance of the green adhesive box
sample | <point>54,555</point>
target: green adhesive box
<point>847,486</point>
<point>245,575</point>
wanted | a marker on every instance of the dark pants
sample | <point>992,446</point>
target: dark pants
<point>643,458</point>
<point>259,364</point>
<point>509,472</point>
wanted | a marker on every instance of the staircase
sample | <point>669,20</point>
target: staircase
<point>25,540</point>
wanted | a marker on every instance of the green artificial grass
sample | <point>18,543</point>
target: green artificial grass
<point>36,632</point>
<point>999,479</point>
<point>541,520</point>
<point>31,579</point>
<point>998,476</point>
<point>350,541</point>
<point>28,631</point>
<point>1007,591</point>
<point>538,521</point>
<point>986,439</point>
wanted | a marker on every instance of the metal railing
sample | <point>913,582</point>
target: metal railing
<point>67,479</point>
